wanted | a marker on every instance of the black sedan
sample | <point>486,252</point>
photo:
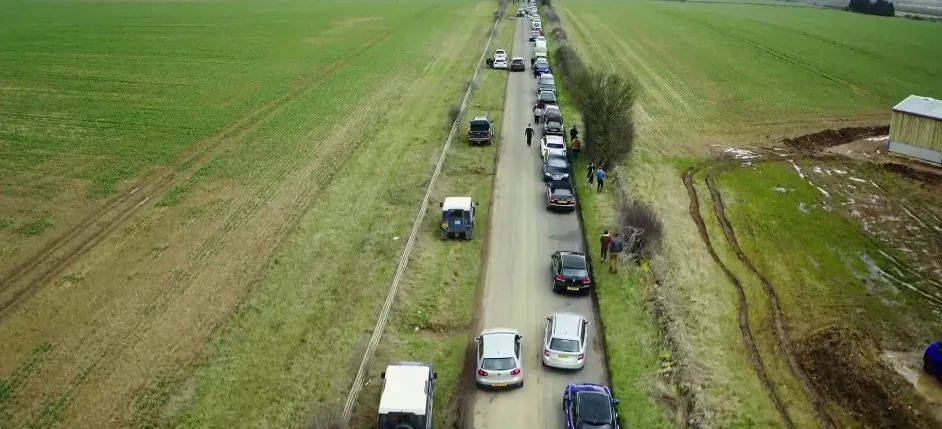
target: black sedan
<point>517,64</point>
<point>560,198</point>
<point>570,272</point>
<point>555,169</point>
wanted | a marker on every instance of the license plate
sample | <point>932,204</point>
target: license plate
<point>564,357</point>
<point>500,384</point>
<point>572,288</point>
<point>457,222</point>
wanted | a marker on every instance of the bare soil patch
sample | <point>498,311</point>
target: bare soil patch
<point>845,364</point>
<point>923,175</point>
<point>831,137</point>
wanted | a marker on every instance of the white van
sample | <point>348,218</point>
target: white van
<point>540,51</point>
<point>540,43</point>
<point>406,402</point>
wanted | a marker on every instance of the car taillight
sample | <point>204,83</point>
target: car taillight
<point>516,371</point>
<point>482,373</point>
<point>560,278</point>
<point>581,356</point>
<point>545,352</point>
<point>553,200</point>
<point>586,281</point>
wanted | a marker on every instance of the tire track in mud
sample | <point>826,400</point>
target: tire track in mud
<point>22,280</point>
<point>781,327</point>
<point>743,304</point>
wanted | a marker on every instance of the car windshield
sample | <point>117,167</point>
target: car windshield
<point>555,145</point>
<point>594,408</point>
<point>480,125</point>
<point>556,163</point>
<point>498,364</point>
<point>553,124</point>
<point>562,345</point>
<point>547,95</point>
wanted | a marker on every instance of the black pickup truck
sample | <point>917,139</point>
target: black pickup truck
<point>481,130</point>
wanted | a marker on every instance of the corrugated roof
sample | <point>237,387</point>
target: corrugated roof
<point>923,106</point>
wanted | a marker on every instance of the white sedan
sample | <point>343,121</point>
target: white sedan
<point>552,145</point>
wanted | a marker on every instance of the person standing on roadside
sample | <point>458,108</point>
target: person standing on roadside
<point>614,251</point>
<point>590,172</point>
<point>576,145</point>
<point>573,133</point>
<point>600,176</point>
<point>605,240</point>
<point>529,133</point>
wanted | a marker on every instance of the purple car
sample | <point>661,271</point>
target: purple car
<point>590,406</point>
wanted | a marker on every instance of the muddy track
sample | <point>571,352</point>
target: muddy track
<point>21,281</point>
<point>781,327</point>
<point>743,306</point>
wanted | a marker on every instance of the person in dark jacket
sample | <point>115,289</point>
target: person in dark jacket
<point>614,251</point>
<point>590,172</point>
<point>529,133</point>
<point>573,133</point>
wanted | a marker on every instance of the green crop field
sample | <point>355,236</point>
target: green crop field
<point>715,76</point>
<point>290,142</point>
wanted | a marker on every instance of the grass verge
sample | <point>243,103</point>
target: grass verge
<point>432,317</point>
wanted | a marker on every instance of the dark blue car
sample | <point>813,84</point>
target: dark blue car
<point>590,406</point>
<point>540,66</point>
<point>932,360</point>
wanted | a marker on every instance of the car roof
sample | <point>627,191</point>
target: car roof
<point>567,325</point>
<point>554,139</point>
<point>595,406</point>
<point>499,343</point>
<point>553,107</point>
<point>572,255</point>
<point>404,389</point>
<point>456,203</point>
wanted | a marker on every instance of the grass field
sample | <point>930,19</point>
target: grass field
<point>433,316</point>
<point>299,137</point>
<point>713,76</point>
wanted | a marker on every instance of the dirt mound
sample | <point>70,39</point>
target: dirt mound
<point>829,137</point>
<point>912,173</point>
<point>845,364</point>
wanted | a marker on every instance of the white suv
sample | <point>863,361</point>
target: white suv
<point>564,344</point>
<point>408,388</point>
<point>499,361</point>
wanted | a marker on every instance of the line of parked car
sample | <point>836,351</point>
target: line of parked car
<point>408,387</point>
<point>499,359</point>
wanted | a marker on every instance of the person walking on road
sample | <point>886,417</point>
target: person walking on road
<point>576,145</point>
<point>537,113</point>
<point>600,176</point>
<point>573,133</point>
<point>529,133</point>
<point>590,172</point>
<point>605,240</point>
<point>614,251</point>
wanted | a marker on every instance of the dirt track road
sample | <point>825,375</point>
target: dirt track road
<point>517,289</point>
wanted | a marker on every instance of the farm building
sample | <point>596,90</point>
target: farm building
<point>916,128</point>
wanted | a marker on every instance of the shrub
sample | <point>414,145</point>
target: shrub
<point>641,229</point>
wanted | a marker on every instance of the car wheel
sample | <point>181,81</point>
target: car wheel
<point>520,385</point>
<point>555,287</point>
<point>468,235</point>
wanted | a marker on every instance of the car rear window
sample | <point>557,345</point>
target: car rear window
<point>562,192</point>
<point>553,124</point>
<point>555,145</point>
<point>498,364</point>
<point>562,345</point>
